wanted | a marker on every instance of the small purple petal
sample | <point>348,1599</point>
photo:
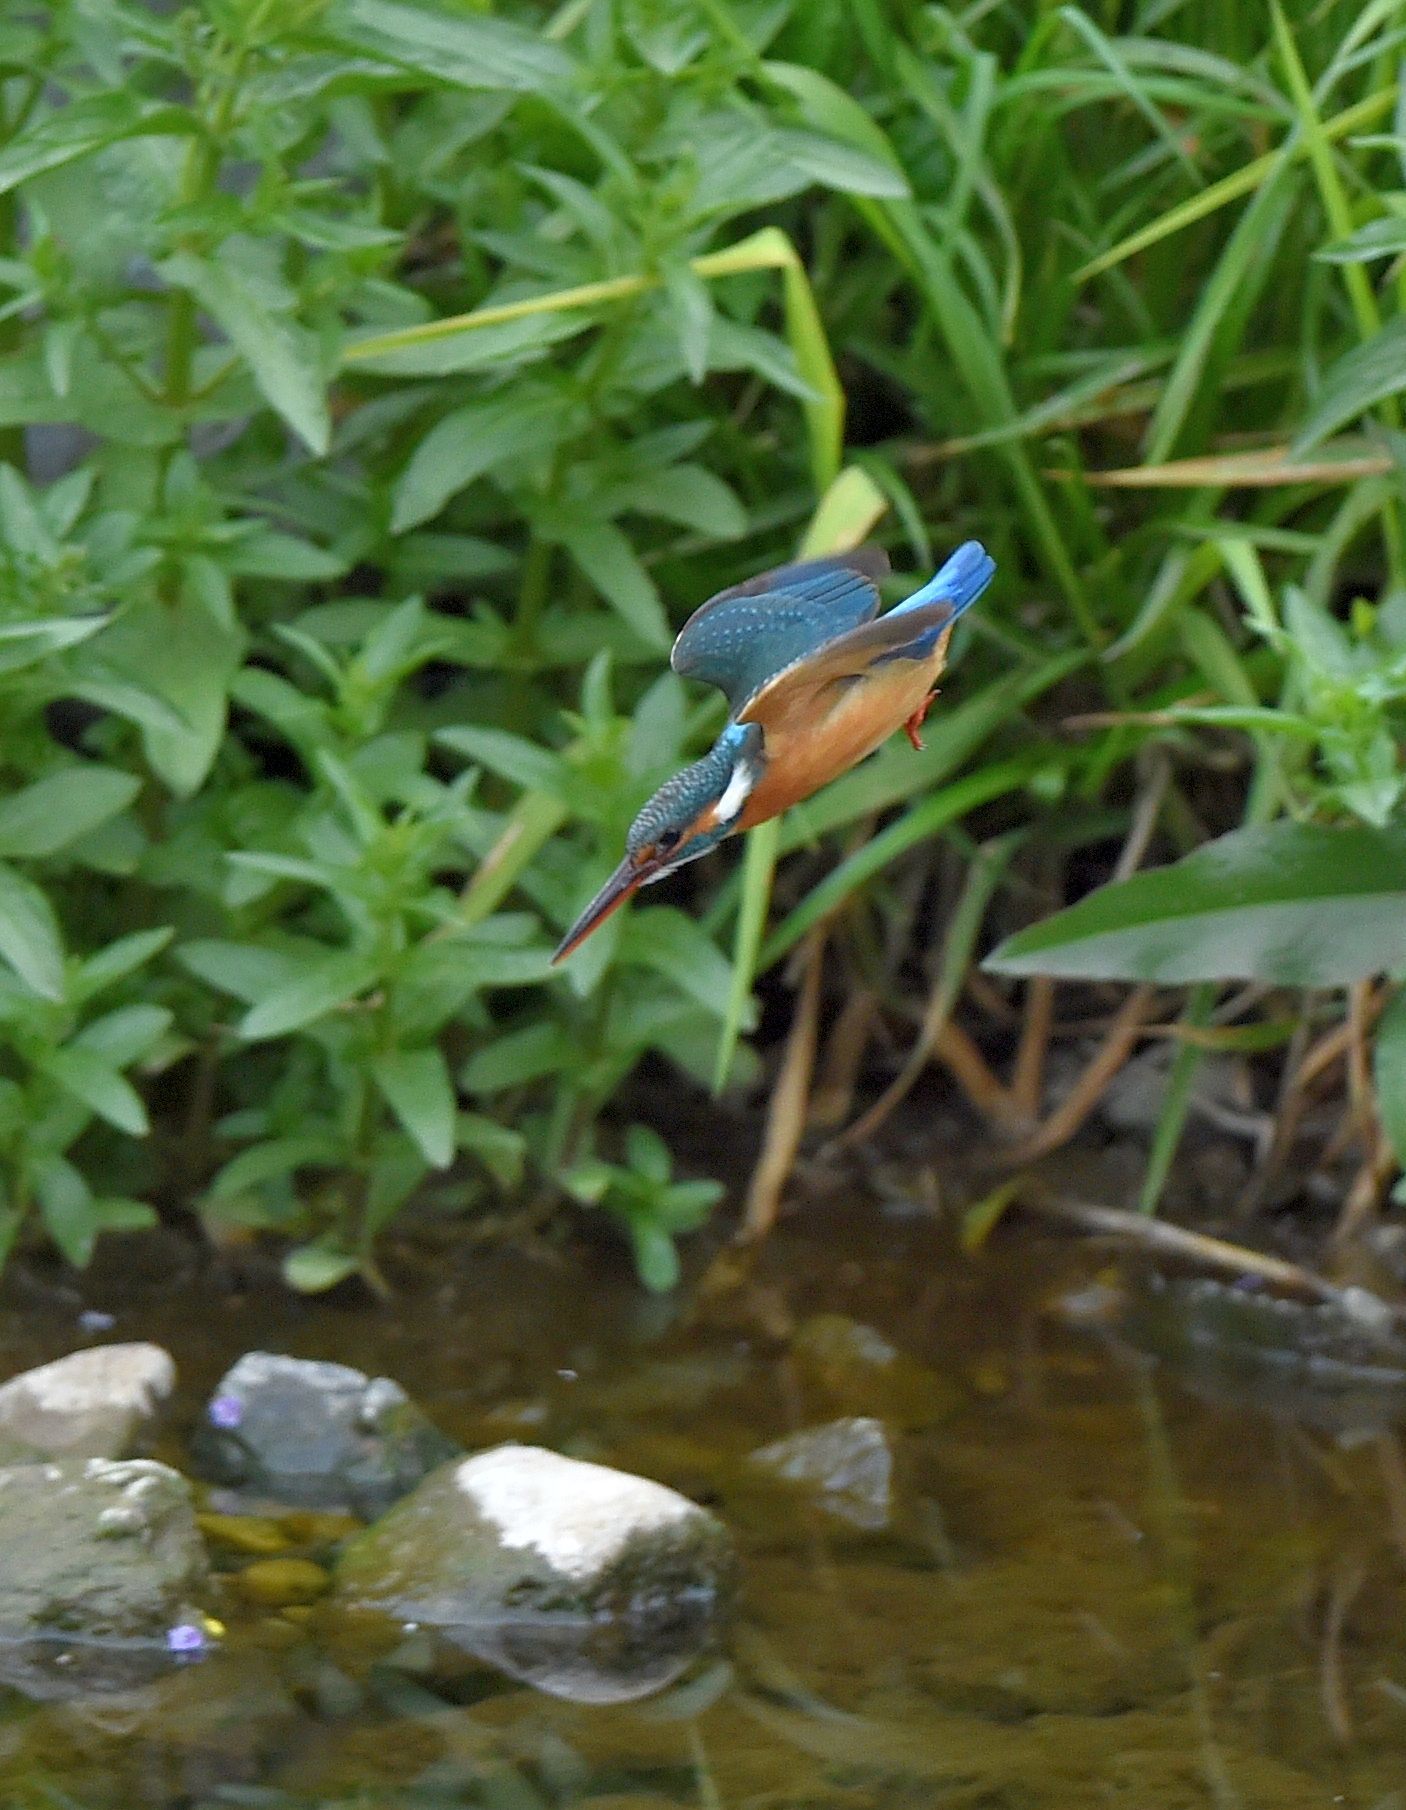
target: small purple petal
<point>226,1411</point>
<point>185,1637</point>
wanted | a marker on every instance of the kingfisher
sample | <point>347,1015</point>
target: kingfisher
<point>815,680</point>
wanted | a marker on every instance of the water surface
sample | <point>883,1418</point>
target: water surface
<point>1096,1587</point>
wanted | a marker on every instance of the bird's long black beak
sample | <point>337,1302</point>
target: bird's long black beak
<point>623,884</point>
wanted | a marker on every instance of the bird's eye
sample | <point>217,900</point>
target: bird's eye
<point>669,841</point>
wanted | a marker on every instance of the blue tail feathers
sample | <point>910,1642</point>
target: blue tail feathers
<point>960,581</point>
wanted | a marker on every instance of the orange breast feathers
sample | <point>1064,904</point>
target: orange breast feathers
<point>818,727</point>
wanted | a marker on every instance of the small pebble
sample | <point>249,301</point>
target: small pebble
<point>277,1583</point>
<point>254,1534</point>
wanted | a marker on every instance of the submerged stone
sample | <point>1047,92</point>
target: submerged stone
<point>857,1368</point>
<point>1337,1365</point>
<point>275,1583</point>
<point>94,1403</point>
<point>847,1463</point>
<point>316,1435</point>
<point>587,1582</point>
<point>101,1562</point>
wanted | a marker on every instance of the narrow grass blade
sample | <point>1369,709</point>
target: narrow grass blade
<point>1171,1121</point>
<point>1270,468</point>
<point>1220,194</point>
<point>923,821</point>
<point>758,871</point>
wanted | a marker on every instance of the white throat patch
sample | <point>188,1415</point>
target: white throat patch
<point>738,791</point>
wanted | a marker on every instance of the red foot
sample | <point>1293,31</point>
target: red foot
<point>915,723</point>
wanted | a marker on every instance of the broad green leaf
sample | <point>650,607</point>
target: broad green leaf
<point>690,495</point>
<point>66,1207</point>
<point>279,353</point>
<point>465,445</point>
<point>1357,382</point>
<point>125,1035</point>
<point>510,756</point>
<point>268,554</point>
<point>844,167</point>
<point>120,959</point>
<point>1287,903</point>
<point>57,810</point>
<point>29,935</point>
<point>467,50</point>
<point>419,1092</point>
<point>1377,239</point>
<point>78,128</point>
<point>187,659</point>
<point>273,1157</point>
<point>317,989</point>
<point>613,567</point>
<point>520,1056</point>
<point>98,1085</point>
<point>246,970</point>
<point>22,643</point>
<point>656,1260</point>
<point>313,1268</point>
<point>825,104</point>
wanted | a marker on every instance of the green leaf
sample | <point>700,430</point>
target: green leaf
<point>81,127</point>
<point>689,495</point>
<point>464,49</point>
<point>313,1268</point>
<point>66,1207</point>
<point>124,1036</point>
<point>246,970</point>
<point>656,1260</point>
<point>1287,903</point>
<point>419,1092</point>
<point>844,167</point>
<point>97,1084</point>
<point>120,959</point>
<point>613,567</point>
<point>510,756</point>
<point>464,445</point>
<point>1390,1073</point>
<point>1357,382</point>
<point>1377,239</point>
<point>29,935</point>
<point>274,1157</point>
<point>187,659</point>
<point>57,810</point>
<point>281,356</point>
<point>317,989</point>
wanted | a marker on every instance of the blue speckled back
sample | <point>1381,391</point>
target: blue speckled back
<point>743,637</point>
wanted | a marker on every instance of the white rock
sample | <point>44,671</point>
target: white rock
<point>90,1404</point>
<point>849,1463</point>
<point>575,1516</point>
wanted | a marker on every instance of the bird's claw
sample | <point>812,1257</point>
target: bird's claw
<point>915,722</point>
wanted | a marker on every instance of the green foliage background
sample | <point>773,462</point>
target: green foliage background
<point>381,384</point>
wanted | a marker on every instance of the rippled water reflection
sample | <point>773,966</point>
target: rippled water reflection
<point>1096,1587</point>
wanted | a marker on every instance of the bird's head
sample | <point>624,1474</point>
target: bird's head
<point>689,815</point>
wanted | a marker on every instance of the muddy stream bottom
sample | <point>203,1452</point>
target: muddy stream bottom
<point>1095,1586</point>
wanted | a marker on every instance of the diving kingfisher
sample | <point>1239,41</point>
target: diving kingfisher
<point>815,680</point>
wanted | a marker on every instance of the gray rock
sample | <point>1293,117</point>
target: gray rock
<point>316,1435</point>
<point>583,1581</point>
<point>91,1404</point>
<point>848,1463</point>
<point>103,1568</point>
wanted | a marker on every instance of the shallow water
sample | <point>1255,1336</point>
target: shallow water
<point>1097,1587</point>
